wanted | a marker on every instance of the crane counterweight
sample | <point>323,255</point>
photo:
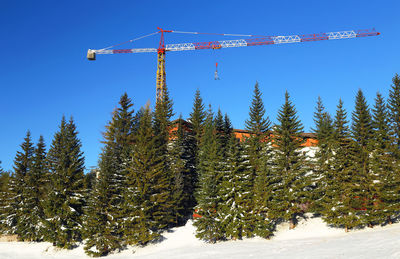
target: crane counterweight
<point>91,55</point>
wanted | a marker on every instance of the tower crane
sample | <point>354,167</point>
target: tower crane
<point>253,40</point>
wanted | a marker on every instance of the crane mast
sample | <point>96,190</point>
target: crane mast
<point>161,81</point>
<point>253,40</point>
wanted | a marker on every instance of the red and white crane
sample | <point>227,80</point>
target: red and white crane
<point>253,40</point>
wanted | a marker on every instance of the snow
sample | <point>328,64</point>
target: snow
<point>312,238</point>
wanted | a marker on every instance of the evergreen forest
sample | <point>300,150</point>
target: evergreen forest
<point>155,173</point>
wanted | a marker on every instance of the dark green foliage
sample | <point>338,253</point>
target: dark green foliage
<point>64,204</point>
<point>323,156</point>
<point>257,123</point>
<point>182,167</point>
<point>289,176</point>
<point>197,117</point>
<point>362,178</point>
<point>35,195</point>
<point>210,172</point>
<point>145,196</point>
<point>161,126</point>
<point>257,149</point>
<point>101,231</point>
<point>334,209</point>
<point>4,199</point>
<point>394,108</point>
<point>350,183</point>
<point>259,126</point>
<point>106,211</point>
<point>19,210</point>
<point>223,129</point>
<point>384,202</point>
<point>263,193</point>
<point>194,136</point>
<point>234,210</point>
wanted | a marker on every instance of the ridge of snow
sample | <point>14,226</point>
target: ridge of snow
<point>311,238</point>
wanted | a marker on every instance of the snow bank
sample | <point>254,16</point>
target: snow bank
<point>310,239</point>
<point>306,228</point>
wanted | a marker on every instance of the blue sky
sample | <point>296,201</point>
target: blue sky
<point>44,73</point>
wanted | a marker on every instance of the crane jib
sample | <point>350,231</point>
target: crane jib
<point>267,40</point>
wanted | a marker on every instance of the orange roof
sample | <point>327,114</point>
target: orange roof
<point>310,138</point>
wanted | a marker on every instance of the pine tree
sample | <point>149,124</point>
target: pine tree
<point>362,179</point>
<point>194,136</point>
<point>384,202</point>
<point>259,127</point>
<point>323,156</point>
<point>208,226</point>
<point>101,228</point>
<point>335,211</point>
<point>235,192</point>
<point>145,196</point>
<point>36,182</point>
<point>348,192</point>
<point>18,210</point>
<point>4,199</point>
<point>64,205</point>
<point>257,124</point>
<point>223,128</point>
<point>197,117</point>
<point>394,108</point>
<point>161,126</point>
<point>106,202</point>
<point>181,160</point>
<point>263,220</point>
<point>290,180</point>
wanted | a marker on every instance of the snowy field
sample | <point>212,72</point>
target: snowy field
<point>310,239</point>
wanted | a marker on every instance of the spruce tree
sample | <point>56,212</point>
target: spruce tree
<point>362,178</point>
<point>101,228</point>
<point>394,108</point>
<point>384,202</point>
<point>106,203</point>
<point>291,184</point>
<point>161,126</point>
<point>36,182</point>
<point>210,171</point>
<point>4,199</point>
<point>257,123</point>
<point>323,156</point>
<point>194,136</point>
<point>348,194</point>
<point>259,126</point>
<point>18,210</point>
<point>334,209</point>
<point>64,205</point>
<point>197,118</point>
<point>262,216</point>
<point>234,190</point>
<point>182,162</point>
<point>223,128</point>
<point>145,197</point>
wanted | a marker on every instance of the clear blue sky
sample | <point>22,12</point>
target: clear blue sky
<point>44,73</point>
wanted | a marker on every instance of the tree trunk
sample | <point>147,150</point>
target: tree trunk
<point>292,225</point>
<point>346,229</point>
<point>389,220</point>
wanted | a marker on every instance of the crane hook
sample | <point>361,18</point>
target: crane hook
<point>216,77</point>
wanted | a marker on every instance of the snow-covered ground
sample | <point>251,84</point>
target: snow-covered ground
<point>310,239</point>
